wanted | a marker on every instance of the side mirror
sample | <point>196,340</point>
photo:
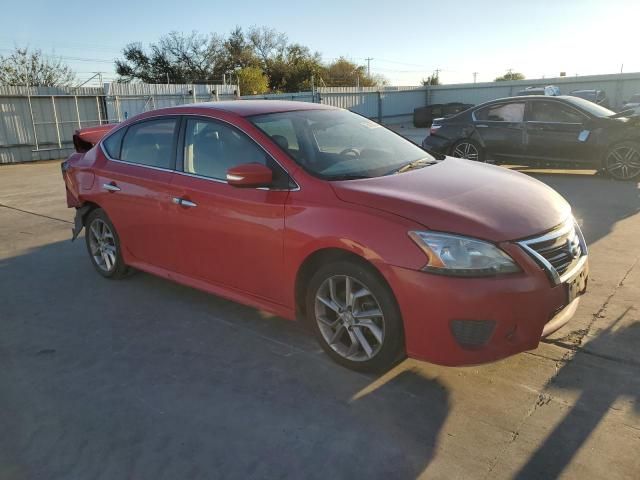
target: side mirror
<point>249,175</point>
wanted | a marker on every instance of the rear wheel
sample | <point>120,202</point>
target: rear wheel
<point>355,317</point>
<point>103,245</point>
<point>468,149</point>
<point>622,161</point>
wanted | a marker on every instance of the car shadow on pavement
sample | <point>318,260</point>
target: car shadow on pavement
<point>599,381</point>
<point>143,378</point>
<point>597,202</point>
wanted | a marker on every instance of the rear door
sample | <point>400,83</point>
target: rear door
<point>500,127</point>
<point>553,132</point>
<point>228,235</point>
<point>136,183</point>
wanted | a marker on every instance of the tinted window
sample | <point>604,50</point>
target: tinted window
<point>113,143</point>
<point>506,112</point>
<point>211,148</point>
<point>150,143</point>
<point>554,112</point>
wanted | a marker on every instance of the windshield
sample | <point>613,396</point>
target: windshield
<point>339,145</point>
<point>590,107</point>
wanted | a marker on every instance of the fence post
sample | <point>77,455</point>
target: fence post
<point>379,106</point>
<point>55,117</point>
<point>33,122</point>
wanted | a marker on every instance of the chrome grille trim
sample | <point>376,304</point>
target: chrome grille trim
<point>563,271</point>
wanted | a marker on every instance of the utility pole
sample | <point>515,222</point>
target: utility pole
<point>475,74</point>
<point>368,59</point>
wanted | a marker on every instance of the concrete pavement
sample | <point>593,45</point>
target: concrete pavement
<point>143,378</point>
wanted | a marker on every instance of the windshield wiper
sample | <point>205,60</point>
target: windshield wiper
<point>419,163</point>
<point>347,177</point>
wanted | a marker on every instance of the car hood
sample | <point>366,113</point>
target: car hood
<point>464,197</point>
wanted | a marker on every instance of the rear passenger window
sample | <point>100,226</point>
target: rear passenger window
<point>507,112</point>
<point>113,143</point>
<point>150,143</point>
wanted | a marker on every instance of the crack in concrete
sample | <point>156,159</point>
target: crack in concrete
<point>572,350</point>
<point>34,213</point>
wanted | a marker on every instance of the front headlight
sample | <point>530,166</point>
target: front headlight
<point>462,256</point>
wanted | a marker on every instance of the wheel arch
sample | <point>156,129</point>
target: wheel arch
<point>323,256</point>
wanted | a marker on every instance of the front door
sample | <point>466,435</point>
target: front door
<point>227,235</point>
<point>501,128</point>
<point>556,132</point>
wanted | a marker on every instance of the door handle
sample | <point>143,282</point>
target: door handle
<point>110,187</point>
<point>482,125</point>
<point>183,202</point>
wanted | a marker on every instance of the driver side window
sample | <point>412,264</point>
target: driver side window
<point>211,148</point>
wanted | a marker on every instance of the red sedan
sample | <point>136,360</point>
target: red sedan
<point>313,212</point>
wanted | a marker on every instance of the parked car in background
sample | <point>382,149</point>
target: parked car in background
<point>632,104</point>
<point>423,116</point>
<point>565,130</point>
<point>549,90</point>
<point>313,212</point>
<point>595,96</point>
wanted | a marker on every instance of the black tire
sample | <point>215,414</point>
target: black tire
<point>622,161</point>
<point>464,149</point>
<point>113,269</point>
<point>363,277</point>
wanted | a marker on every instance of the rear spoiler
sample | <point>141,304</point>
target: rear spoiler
<point>85,138</point>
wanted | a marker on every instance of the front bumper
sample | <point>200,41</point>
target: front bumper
<point>464,321</point>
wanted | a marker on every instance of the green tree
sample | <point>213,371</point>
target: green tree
<point>431,80</point>
<point>32,68</point>
<point>344,73</point>
<point>510,76</point>
<point>252,81</point>
<point>175,58</point>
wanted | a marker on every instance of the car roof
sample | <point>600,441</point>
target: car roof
<point>246,108</point>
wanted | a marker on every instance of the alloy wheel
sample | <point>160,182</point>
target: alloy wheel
<point>466,150</point>
<point>102,244</point>
<point>623,162</point>
<point>350,318</point>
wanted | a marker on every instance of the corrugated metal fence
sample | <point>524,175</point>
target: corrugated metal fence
<point>38,123</point>
<point>618,88</point>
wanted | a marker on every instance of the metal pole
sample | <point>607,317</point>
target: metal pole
<point>379,107</point>
<point>55,117</point>
<point>33,123</point>
<point>99,113</point>
<point>118,108</point>
<point>75,97</point>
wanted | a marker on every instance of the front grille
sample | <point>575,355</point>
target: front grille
<point>557,251</point>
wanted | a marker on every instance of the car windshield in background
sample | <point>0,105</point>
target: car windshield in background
<point>590,107</point>
<point>340,145</point>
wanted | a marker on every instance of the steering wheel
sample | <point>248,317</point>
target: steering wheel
<point>352,152</point>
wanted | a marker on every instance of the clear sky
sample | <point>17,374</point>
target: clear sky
<point>407,39</point>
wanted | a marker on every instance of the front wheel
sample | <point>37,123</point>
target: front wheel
<point>468,149</point>
<point>622,161</point>
<point>355,317</point>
